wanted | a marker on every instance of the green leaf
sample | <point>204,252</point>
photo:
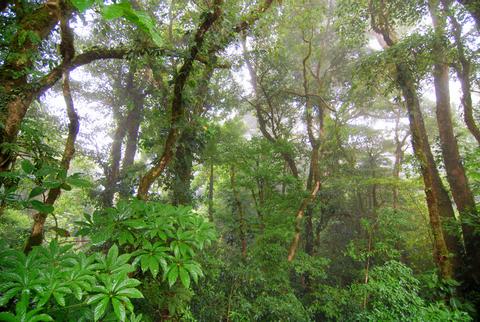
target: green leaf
<point>41,317</point>
<point>112,254</point>
<point>59,297</point>
<point>131,293</point>
<point>41,207</point>
<point>78,182</point>
<point>82,5</point>
<point>119,309</point>
<point>9,295</point>
<point>114,10</point>
<point>95,298</point>
<point>172,275</point>
<point>7,316</point>
<point>27,166</point>
<point>51,184</point>
<point>100,309</point>
<point>153,266</point>
<point>36,191</point>
<point>184,277</point>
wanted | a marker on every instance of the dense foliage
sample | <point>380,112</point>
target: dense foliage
<point>224,160</point>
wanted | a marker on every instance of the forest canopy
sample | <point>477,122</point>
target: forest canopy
<point>239,160</point>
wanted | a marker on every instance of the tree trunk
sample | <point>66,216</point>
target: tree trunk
<point>211,179</point>
<point>287,156</point>
<point>463,71</point>
<point>178,109</point>
<point>456,176</point>
<point>399,154</point>
<point>240,211</point>
<point>36,234</point>
<point>182,169</point>
<point>438,202</point>
<point>439,205</point>
<point>134,119</point>
<point>115,156</point>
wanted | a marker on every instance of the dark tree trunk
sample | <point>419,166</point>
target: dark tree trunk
<point>36,234</point>
<point>177,106</point>
<point>182,168</point>
<point>16,93</point>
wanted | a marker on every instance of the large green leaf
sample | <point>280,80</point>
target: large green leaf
<point>36,191</point>
<point>41,207</point>
<point>82,5</point>
<point>100,309</point>
<point>118,309</point>
<point>131,293</point>
<point>184,277</point>
<point>172,275</point>
<point>27,166</point>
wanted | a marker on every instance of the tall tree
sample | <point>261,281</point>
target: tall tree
<point>439,204</point>
<point>456,175</point>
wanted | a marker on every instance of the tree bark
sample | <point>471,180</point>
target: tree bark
<point>182,168</point>
<point>262,123</point>
<point>313,181</point>
<point>456,175</point>
<point>177,107</point>
<point>438,202</point>
<point>463,70</point>
<point>240,211</point>
<point>399,154</point>
<point>17,104</point>
<point>36,234</point>
<point>211,179</point>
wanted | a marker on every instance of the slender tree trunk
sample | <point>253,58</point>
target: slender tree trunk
<point>456,176</point>
<point>240,211</point>
<point>134,119</point>
<point>262,123</point>
<point>115,157</point>
<point>36,235</point>
<point>313,181</point>
<point>399,154</point>
<point>298,221</point>
<point>211,179</point>
<point>463,70</point>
